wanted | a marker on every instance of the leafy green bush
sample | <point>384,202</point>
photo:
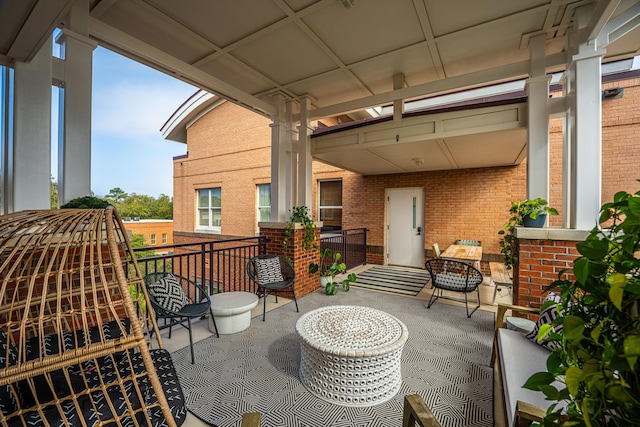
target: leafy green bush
<point>598,359</point>
<point>86,202</point>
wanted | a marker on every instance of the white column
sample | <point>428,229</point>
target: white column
<point>538,122</point>
<point>585,132</point>
<point>305,172</point>
<point>29,158</point>
<point>74,142</point>
<point>279,163</point>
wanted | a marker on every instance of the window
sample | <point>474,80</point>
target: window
<point>164,238</point>
<point>264,203</point>
<point>330,204</point>
<point>153,239</point>
<point>209,215</point>
<point>6,128</point>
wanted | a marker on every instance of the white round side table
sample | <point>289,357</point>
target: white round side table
<point>350,355</point>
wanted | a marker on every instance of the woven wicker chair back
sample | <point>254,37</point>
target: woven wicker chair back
<point>72,311</point>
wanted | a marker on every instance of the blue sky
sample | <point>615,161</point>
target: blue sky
<point>131,102</point>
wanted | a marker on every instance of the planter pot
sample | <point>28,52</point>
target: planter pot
<point>324,280</point>
<point>534,223</point>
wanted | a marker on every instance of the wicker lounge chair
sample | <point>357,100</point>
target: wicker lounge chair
<point>75,347</point>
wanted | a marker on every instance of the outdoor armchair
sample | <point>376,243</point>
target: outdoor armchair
<point>455,276</point>
<point>178,299</point>
<point>273,275</point>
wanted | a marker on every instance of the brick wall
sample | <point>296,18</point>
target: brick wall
<point>149,227</point>
<point>230,148</point>
<point>540,262</point>
<point>305,282</point>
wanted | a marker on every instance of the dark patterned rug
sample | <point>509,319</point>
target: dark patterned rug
<point>445,360</point>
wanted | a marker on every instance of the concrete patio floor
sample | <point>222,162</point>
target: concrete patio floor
<point>180,336</point>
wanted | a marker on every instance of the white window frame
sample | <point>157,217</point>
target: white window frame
<point>320,207</point>
<point>164,238</point>
<point>258,207</point>
<point>217,228</point>
<point>153,238</point>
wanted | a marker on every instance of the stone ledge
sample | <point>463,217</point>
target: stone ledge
<point>283,225</point>
<point>551,233</point>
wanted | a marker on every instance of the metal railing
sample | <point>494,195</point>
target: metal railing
<point>352,244</point>
<point>219,265</point>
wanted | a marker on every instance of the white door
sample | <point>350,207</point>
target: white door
<point>405,227</point>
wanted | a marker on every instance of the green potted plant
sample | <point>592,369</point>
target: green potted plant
<point>521,213</point>
<point>598,361</point>
<point>300,215</point>
<point>329,267</point>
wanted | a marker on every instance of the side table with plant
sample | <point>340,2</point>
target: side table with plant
<point>329,267</point>
<point>598,360</point>
<point>520,211</point>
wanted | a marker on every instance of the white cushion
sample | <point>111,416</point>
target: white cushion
<point>519,359</point>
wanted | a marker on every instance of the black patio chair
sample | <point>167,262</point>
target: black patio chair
<point>456,276</point>
<point>178,299</point>
<point>273,275</point>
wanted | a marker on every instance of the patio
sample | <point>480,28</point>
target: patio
<point>280,317</point>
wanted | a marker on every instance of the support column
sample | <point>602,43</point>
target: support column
<point>305,161</point>
<point>585,127</point>
<point>280,164</point>
<point>29,156</point>
<point>74,143</point>
<point>538,121</point>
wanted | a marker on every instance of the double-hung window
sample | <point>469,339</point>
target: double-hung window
<point>209,215</point>
<point>330,204</point>
<point>153,239</point>
<point>264,203</point>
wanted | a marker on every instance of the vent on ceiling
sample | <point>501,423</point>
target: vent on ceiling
<point>347,4</point>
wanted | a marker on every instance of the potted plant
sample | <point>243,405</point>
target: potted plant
<point>329,267</point>
<point>300,215</point>
<point>521,213</point>
<point>598,360</point>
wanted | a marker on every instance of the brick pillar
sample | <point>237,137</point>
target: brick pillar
<point>542,254</point>
<point>274,232</point>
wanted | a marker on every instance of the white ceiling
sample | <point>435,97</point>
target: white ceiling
<point>344,59</point>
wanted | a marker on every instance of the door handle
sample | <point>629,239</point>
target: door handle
<point>419,230</point>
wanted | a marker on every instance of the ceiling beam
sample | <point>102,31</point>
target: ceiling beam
<point>457,83</point>
<point>37,28</point>
<point>148,54</point>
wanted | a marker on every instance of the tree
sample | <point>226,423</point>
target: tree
<point>116,195</point>
<point>54,193</point>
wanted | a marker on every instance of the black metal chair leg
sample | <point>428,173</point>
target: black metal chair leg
<point>193,358</point>
<point>295,300</point>
<point>213,319</point>
<point>264,304</point>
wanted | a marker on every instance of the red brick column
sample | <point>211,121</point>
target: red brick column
<point>542,254</point>
<point>274,232</point>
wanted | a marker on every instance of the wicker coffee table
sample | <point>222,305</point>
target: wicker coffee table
<point>350,355</point>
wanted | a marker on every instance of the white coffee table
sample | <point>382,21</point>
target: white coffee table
<point>350,355</point>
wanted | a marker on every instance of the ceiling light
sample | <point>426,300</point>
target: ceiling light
<point>418,161</point>
<point>347,4</point>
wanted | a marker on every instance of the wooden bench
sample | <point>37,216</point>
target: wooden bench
<point>500,276</point>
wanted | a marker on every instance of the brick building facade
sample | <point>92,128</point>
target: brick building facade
<point>229,148</point>
<point>156,232</point>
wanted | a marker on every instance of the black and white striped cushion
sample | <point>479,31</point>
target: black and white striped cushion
<point>168,293</point>
<point>547,316</point>
<point>268,270</point>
